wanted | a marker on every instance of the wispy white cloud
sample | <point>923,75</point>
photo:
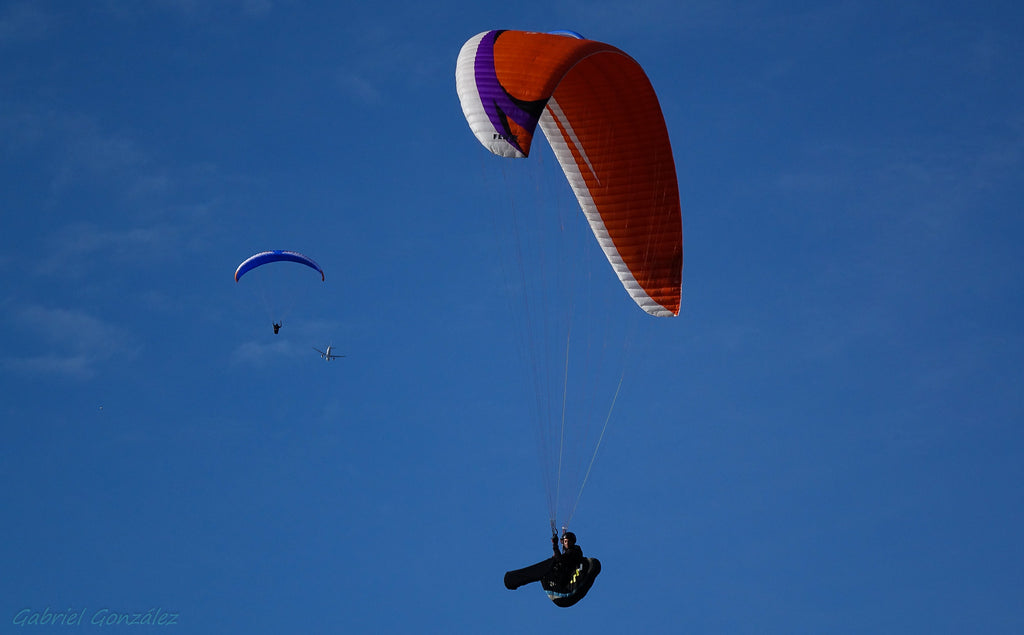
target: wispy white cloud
<point>23,21</point>
<point>256,352</point>
<point>256,8</point>
<point>374,60</point>
<point>191,9</point>
<point>77,153</point>
<point>359,87</point>
<point>600,19</point>
<point>296,344</point>
<point>73,248</point>
<point>96,157</point>
<point>76,329</point>
<point>899,218</point>
<point>74,366</point>
<point>150,206</point>
<point>929,181</point>
<point>71,342</point>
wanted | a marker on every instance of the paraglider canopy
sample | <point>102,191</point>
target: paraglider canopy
<point>277,255</point>
<point>598,110</point>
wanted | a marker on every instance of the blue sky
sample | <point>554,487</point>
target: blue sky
<point>828,438</point>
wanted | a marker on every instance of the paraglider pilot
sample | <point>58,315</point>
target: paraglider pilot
<point>566,576</point>
<point>277,327</point>
<point>564,562</point>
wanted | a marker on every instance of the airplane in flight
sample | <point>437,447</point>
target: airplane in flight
<point>328,355</point>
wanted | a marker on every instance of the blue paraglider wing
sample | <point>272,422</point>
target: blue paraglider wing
<point>277,255</point>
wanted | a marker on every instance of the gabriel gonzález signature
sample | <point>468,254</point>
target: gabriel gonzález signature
<point>99,617</point>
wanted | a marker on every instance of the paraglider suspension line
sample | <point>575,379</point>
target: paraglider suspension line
<point>561,440</point>
<point>596,448</point>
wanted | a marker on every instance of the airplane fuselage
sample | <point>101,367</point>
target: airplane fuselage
<point>328,355</point>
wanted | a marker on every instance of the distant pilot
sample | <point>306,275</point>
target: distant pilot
<point>564,562</point>
<point>277,327</point>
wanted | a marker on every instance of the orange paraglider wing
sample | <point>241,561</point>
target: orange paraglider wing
<point>601,116</point>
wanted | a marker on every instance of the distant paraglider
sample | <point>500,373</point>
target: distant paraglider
<point>277,291</point>
<point>601,116</point>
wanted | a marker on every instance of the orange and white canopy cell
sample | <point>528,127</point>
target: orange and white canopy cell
<point>602,118</point>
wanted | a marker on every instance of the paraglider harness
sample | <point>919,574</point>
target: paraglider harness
<point>563,587</point>
<point>567,566</point>
<point>569,586</point>
<point>566,588</point>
